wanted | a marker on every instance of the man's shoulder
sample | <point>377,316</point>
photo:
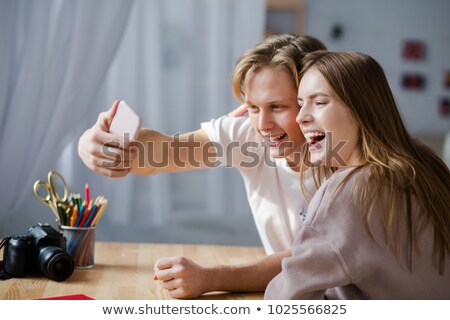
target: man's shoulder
<point>235,128</point>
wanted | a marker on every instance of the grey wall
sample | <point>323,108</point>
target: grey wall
<point>378,28</point>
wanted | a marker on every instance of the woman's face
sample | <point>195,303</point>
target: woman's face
<point>330,131</point>
<point>271,99</point>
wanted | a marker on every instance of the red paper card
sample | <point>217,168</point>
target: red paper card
<point>70,297</point>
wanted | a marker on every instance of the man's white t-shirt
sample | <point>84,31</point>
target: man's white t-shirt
<point>273,188</point>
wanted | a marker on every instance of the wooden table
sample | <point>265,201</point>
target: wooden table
<point>125,271</point>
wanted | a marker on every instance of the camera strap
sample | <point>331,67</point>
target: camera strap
<point>4,275</point>
<point>2,243</point>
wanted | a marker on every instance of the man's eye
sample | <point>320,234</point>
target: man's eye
<point>252,108</point>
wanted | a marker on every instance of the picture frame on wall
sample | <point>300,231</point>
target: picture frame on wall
<point>446,79</point>
<point>413,81</point>
<point>414,50</point>
<point>284,16</point>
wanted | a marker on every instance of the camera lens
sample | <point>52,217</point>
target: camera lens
<point>55,263</point>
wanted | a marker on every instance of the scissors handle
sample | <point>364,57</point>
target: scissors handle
<point>65,198</point>
<point>47,200</point>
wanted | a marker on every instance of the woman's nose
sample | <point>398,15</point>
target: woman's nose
<point>303,116</point>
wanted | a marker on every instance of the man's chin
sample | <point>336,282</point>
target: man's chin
<point>294,156</point>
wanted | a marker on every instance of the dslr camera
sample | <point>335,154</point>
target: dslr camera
<point>42,249</point>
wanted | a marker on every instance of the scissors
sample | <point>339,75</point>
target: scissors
<point>52,197</point>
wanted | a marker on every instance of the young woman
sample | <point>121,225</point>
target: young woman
<point>379,227</point>
<point>265,79</point>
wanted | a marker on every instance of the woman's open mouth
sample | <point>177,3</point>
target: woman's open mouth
<point>314,138</point>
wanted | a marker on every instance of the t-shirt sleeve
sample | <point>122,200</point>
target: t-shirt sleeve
<point>236,141</point>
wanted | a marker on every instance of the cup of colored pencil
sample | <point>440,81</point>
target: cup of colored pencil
<point>81,219</point>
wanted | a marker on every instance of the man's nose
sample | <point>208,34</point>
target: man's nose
<point>265,121</point>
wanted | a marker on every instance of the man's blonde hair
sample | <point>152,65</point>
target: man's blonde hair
<point>284,51</point>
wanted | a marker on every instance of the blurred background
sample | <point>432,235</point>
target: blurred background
<point>62,62</point>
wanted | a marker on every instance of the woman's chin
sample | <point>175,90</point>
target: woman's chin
<point>316,161</point>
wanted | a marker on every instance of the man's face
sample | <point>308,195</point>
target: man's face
<point>271,99</point>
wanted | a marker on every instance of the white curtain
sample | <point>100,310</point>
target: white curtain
<point>54,57</point>
<point>170,59</point>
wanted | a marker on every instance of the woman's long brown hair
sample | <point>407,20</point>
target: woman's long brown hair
<point>394,159</point>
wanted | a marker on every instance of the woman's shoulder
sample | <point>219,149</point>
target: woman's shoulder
<point>338,193</point>
<point>347,178</point>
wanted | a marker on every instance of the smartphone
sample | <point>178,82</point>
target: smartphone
<point>126,122</point>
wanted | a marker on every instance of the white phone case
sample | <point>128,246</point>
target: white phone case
<point>126,122</point>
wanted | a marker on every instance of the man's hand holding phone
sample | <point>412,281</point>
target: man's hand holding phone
<point>126,122</point>
<point>107,147</point>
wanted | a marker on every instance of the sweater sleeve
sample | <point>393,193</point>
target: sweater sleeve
<point>318,262</point>
<point>314,267</point>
